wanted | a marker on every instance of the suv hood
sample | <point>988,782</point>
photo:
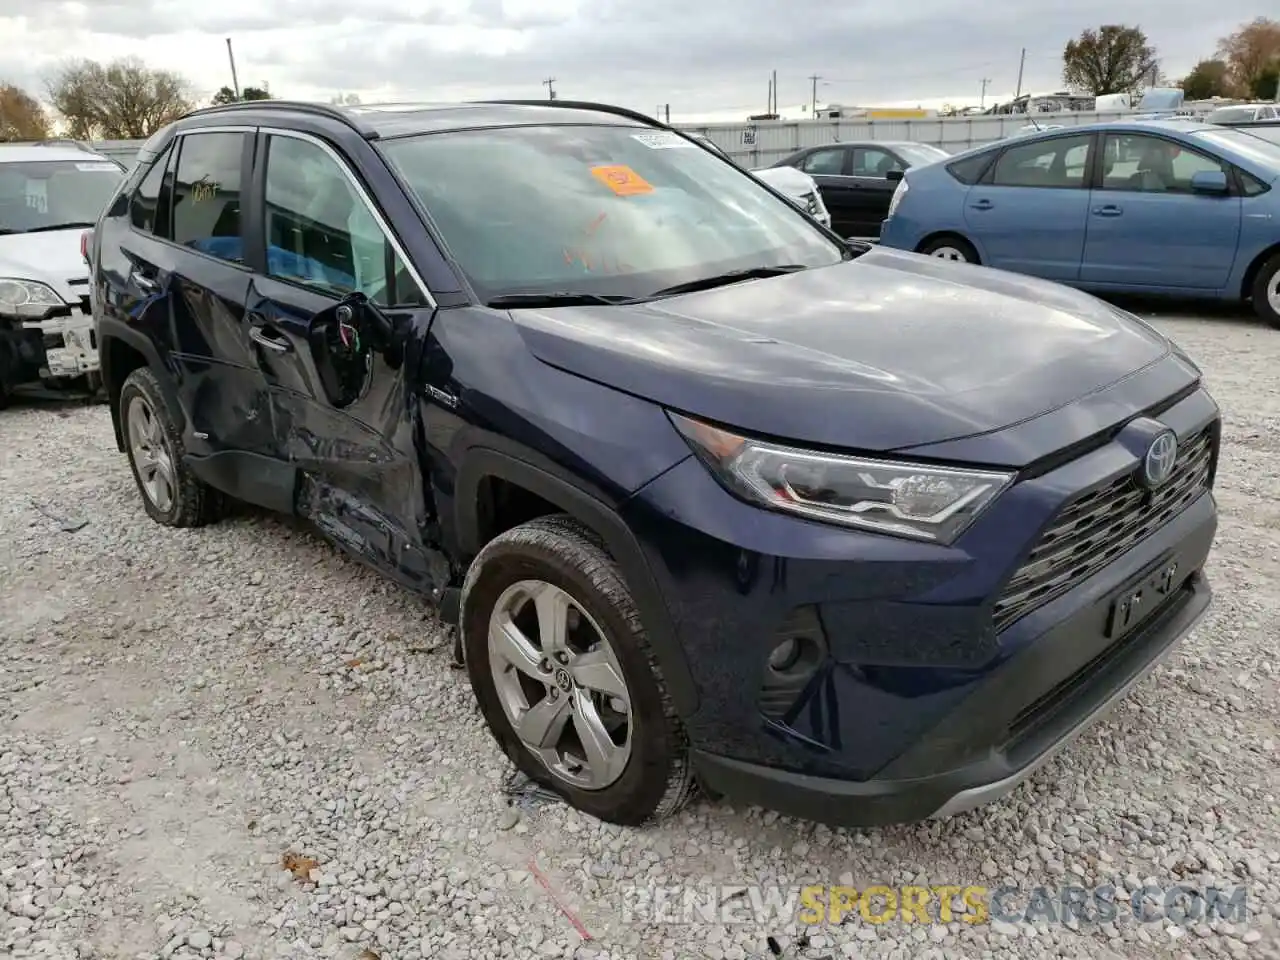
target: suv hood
<point>887,351</point>
<point>52,258</point>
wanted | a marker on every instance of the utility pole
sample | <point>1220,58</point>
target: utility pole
<point>1022,62</point>
<point>235,83</point>
<point>773,107</point>
<point>986,82</point>
<point>813,96</point>
<point>667,112</point>
<point>549,83</point>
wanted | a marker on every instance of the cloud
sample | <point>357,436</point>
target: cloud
<point>711,55</point>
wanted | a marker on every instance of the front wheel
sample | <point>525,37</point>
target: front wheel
<point>171,493</point>
<point>563,672</point>
<point>1266,292</point>
<point>956,249</point>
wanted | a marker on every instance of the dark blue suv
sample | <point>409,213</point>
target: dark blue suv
<point>711,495</point>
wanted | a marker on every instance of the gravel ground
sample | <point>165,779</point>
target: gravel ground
<point>235,743</point>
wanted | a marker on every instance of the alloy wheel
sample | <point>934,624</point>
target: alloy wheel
<point>560,684</point>
<point>949,253</point>
<point>150,453</point>
<point>1273,292</point>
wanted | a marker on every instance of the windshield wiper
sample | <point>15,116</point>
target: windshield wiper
<point>724,279</point>
<point>514,301</point>
<point>60,226</point>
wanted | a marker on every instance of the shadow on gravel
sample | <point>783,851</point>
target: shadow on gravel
<point>1165,307</point>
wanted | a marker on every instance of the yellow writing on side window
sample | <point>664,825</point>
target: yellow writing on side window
<point>204,189</point>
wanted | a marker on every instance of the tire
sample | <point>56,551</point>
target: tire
<point>951,247</point>
<point>555,557</point>
<point>190,502</point>
<point>1266,293</point>
<point>7,362</point>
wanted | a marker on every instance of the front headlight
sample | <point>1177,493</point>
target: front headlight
<point>27,298</point>
<point>902,499</point>
<point>899,192</point>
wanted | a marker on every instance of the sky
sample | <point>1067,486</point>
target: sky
<point>709,60</point>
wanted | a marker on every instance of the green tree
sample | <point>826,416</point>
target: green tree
<point>121,100</point>
<point>21,116</point>
<point>1208,78</point>
<point>227,95</point>
<point>1111,59</point>
<point>1267,85</point>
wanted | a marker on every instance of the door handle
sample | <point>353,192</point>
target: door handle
<point>145,283</point>
<point>1110,210</point>
<point>982,204</point>
<point>264,339</point>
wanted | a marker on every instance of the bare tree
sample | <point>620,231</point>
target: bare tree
<point>120,100</point>
<point>21,116</point>
<point>1252,55</point>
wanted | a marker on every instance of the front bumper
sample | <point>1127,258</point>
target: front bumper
<point>882,801</point>
<point>70,345</point>
<point>920,706</point>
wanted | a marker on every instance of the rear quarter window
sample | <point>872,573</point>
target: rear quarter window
<point>969,170</point>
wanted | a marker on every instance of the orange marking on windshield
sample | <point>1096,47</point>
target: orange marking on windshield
<point>622,180</point>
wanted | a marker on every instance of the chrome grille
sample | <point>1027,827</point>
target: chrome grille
<point>1097,527</point>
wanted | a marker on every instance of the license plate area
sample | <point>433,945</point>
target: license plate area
<point>1143,597</point>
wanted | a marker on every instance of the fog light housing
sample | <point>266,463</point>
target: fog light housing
<point>799,650</point>
<point>784,655</point>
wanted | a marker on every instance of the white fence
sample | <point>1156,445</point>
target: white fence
<point>760,144</point>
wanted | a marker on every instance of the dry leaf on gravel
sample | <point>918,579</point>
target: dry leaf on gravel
<point>298,865</point>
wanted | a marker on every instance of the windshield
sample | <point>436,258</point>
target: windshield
<point>45,194</point>
<point>1257,144</point>
<point>1230,114</point>
<point>605,210</point>
<point>918,154</point>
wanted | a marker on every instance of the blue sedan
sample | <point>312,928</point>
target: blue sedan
<point>1176,207</point>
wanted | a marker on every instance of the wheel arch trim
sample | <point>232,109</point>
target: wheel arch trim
<point>620,542</point>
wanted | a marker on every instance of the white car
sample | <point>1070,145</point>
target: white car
<point>50,195</point>
<point>796,185</point>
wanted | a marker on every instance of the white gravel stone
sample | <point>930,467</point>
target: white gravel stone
<point>180,710</point>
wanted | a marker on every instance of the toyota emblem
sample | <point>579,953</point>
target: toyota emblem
<point>1157,465</point>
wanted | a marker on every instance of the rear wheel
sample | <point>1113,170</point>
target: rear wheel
<point>171,492</point>
<point>563,673</point>
<point>956,249</point>
<point>1266,292</point>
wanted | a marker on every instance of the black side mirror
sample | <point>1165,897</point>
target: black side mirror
<point>893,176</point>
<point>344,339</point>
<point>356,312</point>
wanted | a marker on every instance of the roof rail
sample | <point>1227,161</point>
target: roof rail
<point>586,105</point>
<point>330,111</point>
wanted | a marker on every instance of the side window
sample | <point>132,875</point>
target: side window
<point>1146,164</point>
<point>970,169</point>
<point>149,207</point>
<point>320,232</point>
<point>206,194</point>
<point>828,162</point>
<point>1062,162</point>
<point>1251,185</point>
<point>874,162</point>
